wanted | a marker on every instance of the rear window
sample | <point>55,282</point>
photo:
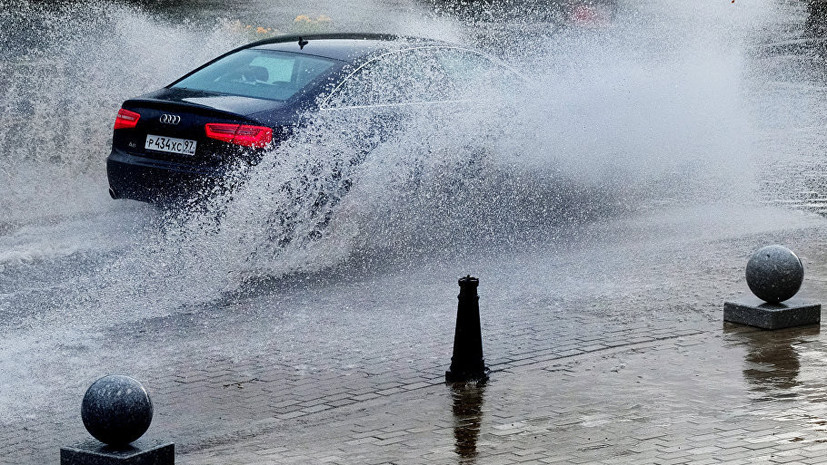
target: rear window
<point>265,74</point>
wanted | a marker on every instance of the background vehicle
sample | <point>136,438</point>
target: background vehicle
<point>181,139</point>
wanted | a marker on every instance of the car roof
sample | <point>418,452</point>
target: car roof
<point>344,47</point>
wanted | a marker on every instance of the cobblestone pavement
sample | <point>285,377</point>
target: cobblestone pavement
<point>708,396</point>
<point>608,348</point>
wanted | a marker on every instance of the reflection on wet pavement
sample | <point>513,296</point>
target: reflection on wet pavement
<point>467,408</point>
<point>772,364</point>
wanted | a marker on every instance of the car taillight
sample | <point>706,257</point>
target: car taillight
<point>240,134</point>
<point>126,119</point>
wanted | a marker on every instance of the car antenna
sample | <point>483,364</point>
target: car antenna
<point>302,43</point>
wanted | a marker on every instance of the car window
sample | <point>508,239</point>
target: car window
<point>409,76</point>
<point>279,69</point>
<point>266,74</point>
<point>470,71</point>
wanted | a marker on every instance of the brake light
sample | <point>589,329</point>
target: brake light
<point>126,119</point>
<point>240,134</point>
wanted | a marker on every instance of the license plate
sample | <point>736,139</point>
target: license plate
<point>170,144</point>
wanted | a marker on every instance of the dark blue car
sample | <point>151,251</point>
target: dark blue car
<point>173,142</point>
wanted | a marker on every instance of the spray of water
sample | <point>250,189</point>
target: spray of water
<point>647,110</point>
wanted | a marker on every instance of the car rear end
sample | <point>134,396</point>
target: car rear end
<point>162,149</point>
<point>183,140</point>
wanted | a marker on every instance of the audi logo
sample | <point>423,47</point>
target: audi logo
<point>170,119</point>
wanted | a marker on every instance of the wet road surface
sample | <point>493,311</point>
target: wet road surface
<point>604,334</point>
<point>352,365</point>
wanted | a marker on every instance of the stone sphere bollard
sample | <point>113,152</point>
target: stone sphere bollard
<point>774,273</point>
<point>116,410</point>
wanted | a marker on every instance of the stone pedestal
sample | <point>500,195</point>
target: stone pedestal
<point>753,311</point>
<point>137,453</point>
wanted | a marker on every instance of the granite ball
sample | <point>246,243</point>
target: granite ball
<point>774,273</point>
<point>116,410</point>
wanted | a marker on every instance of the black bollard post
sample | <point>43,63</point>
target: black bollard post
<point>467,363</point>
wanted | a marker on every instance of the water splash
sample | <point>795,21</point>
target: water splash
<point>645,111</point>
<point>607,120</point>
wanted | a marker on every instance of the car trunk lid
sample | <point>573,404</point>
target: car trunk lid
<point>173,125</point>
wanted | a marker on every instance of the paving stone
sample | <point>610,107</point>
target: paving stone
<point>586,386</point>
